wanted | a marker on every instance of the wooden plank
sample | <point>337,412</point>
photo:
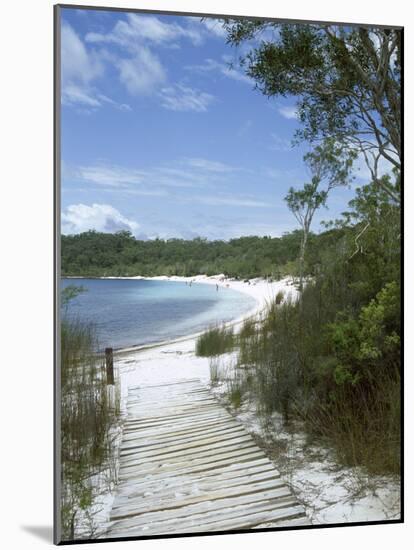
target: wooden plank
<point>156,438</point>
<point>212,442</point>
<point>204,520</point>
<point>164,429</point>
<point>249,521</point>
<point>200,485</point>
<point>202,466</point>
<point>134,517</point>
<point>171,464</point>
<point>173,399</point>
<point>138,447</point>
<point>225,472</point>
<point>184,418</point>
<point>142,504</point>
<point>188,466</point>
<point>153,405</point>
<point>193,381</point>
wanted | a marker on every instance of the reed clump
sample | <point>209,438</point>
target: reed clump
<point>215,341</point>
<point>89,412</point>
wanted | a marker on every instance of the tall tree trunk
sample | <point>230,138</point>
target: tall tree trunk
<point>302,260</point>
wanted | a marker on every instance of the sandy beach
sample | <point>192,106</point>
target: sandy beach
<point>176,359</point>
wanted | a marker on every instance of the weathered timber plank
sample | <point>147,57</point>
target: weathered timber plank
<point>199,485</point>
<point>147,504</point>
<point>193,381</point>
<point>202,457</point>
<point>231,438</point>
<point>250,521</point>
<point>131,516</point>
<point>200,466</point>
<point>155,439</point>
<point>183,418</point>
<point>186,465</point>
<point>202,520</point>
<point>226,471</point>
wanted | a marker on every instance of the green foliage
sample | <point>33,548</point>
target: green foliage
<point>248,328</point>
<point>236,397</point>
<point>103,254</point>
<point>370,342</point>
<point>215,341</point>
<point>279,297</point>
<point>330,166</point>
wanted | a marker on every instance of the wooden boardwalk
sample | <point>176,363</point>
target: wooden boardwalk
<point>188,466</point>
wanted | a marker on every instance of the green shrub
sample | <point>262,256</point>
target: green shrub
<point>215,341</point>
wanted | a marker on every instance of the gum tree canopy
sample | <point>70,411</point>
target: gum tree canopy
<point>347,82</point>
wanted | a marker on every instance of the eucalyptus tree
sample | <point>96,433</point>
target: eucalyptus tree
<point>329,166</point>
<point>346,81</point>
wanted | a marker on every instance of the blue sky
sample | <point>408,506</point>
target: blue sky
<point>161,137</point>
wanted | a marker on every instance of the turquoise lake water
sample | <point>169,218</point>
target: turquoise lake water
<point>135,312</point>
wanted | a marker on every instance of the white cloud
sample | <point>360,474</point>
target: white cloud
<point>121,106</point>
<point>220,200</point>
<point>75,94</point>
<point>77,64</point>
<point>184,98</point>
<point>113,176</point>
<point>225,69</point>
<point>171,176</point>
<point>101,217</point>
<point>80,70</point>
<point>289,112</point>
<point>214,26</point>
<point>209,165</point>
<point>161,180</point>
<point>148,181</point>
<point>136,29</point>
<point>140,70</point>
<point>142,73</point>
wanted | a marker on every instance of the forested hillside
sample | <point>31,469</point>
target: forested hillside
<point>120,254</point>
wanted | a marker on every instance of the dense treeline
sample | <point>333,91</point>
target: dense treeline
<point>333,357</point>
<point>99,254</point>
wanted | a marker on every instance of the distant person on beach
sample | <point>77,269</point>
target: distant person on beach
<point>217,287</point>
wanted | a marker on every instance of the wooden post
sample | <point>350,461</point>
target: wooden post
<point>109,359</point>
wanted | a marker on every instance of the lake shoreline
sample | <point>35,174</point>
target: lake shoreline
<point>261,290</point>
